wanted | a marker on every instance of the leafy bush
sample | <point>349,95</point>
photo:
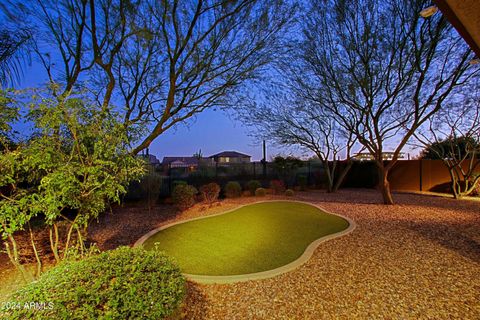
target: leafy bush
<point>183,196</point>
<point>289,193</point>
<point>277,186</point>
<point>260,192</point>
<point>233,189</point>
<point>210,192</point>
<point>253,185</point>
<point>302,182</point>
<point>125,283</point>
<point>151,184</point>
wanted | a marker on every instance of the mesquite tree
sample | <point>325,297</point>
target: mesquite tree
<point>163,61</point>
<point>453,135</point>
<point>381,69</point>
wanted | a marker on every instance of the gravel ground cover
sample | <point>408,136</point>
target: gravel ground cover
<point>418,259</point>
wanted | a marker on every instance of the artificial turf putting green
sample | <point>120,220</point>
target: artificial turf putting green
<point>253,238</point>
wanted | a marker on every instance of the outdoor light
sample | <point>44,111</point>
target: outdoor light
<point>427,12</point>
<point>475,61</point>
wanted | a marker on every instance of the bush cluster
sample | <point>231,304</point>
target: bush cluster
<point>260,192</point>
<point>277,186</point>
<point>253,185</point>
<point>233,189</point>
<point>183,196</point>
<point>289,193</point>
<point>125,283</point>
<point>210,192</point>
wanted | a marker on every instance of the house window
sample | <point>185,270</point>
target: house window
<point>227,159</point>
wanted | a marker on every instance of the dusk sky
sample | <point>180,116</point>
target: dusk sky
<point>212,132</point>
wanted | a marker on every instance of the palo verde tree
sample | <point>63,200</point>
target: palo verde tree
<point>381,69</point>
<point>453,135</point>
<point>70,169</point>
<point>163,61</point>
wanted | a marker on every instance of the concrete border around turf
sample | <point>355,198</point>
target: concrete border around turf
<point>306,255</point>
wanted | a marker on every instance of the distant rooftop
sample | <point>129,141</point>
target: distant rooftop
<point>190,161</point>
<point>231,154</point>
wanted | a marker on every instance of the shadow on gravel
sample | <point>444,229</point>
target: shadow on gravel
<point>127,224</point>
<point>195,302</point>
<point>449,237</point>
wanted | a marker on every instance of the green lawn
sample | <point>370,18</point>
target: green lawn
<point>254,238</point>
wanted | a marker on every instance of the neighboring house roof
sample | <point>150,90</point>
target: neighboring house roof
<point>231,154</point>
<point>178,161</point>
<point>151,158</point>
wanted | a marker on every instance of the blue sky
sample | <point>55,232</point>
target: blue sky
<point>211,131</point>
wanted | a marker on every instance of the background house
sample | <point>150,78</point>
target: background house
<point>227,157</point>
<point>191,163</point>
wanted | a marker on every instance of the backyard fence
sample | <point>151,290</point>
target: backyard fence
<point>163,177</point>
<point>406,175</point>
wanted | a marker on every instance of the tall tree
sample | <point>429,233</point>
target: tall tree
<point>162,61</point>
<point>381,69</point>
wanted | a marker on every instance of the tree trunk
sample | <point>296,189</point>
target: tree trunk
<point>326,166</point>
<point>342,176</point>
<point>384,186</point>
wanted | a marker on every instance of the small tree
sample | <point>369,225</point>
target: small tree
<point>291,119</point>
<point>286,167</point>
<point>453,136</point>
<point>72,167</point>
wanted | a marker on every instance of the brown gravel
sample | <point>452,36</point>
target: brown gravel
<point>418,259</point>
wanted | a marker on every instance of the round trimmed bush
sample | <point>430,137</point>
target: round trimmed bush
<point>277,186</point>
<point>260,192</point>
<point>125,283</point>
<point>253,185</point>
<point>233,189</point>
<point>210,192</point>
<point>183,196</point>
<point>289,193</point>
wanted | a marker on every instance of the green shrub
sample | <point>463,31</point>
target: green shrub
<point>233,189</point>
<point>289,193</point>
<point>178,182</point>
<point>302,182</point>
<point>183,196</point>
<point>125,283</point>
<point>151,185</point>
<point>210,192</point>
<point>253,185</point>
<point>260,192</point>
<point>277,186</point>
